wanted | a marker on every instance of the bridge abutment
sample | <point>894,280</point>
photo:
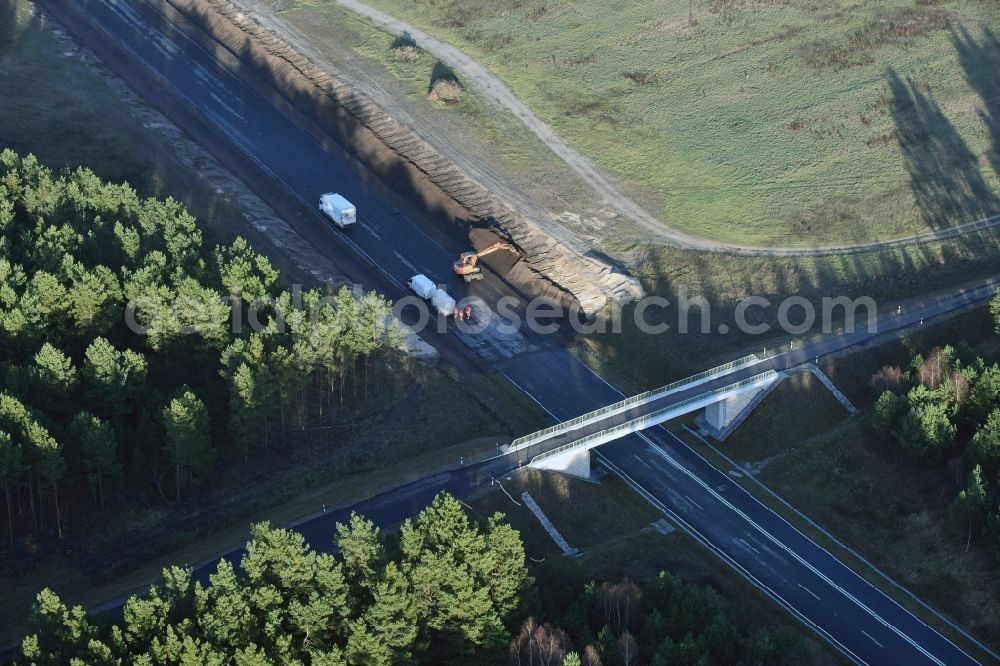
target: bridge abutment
<point>574,462</point>
<point>720,415</point>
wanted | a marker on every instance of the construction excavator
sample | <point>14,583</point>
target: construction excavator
<point>467,265</point>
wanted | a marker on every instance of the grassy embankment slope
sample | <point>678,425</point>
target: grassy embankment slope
<point>764,123</point>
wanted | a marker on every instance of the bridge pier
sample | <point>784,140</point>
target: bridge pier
<point>720,415</point>
<point>574,462</point>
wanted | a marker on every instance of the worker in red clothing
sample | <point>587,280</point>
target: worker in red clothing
<point>468,312</point>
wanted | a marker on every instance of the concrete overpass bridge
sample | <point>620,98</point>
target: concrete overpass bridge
<point>727,394</point>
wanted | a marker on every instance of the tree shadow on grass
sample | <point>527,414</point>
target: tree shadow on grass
<point>442,72</point>
<point>980,58</point>
<point>405,39</point>
<point>945,175</point>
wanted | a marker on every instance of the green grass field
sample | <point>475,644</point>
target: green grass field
<point>761,122</point>
<point>58,110</point>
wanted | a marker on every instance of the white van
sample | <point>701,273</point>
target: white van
<point>340,211</point>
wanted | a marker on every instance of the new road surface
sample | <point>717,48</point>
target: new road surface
<point>854,616</point>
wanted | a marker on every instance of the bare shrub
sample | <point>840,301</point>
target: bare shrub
<point>590,657</point>
<point>935,369</point>
<point>639,77</point>
<point>406,53</point>
<point>539,645</point>
<point>628,649</point>
<point>888,378</point>
<point>618,603</point>
<point>446,91</point>
<point>960,388</point>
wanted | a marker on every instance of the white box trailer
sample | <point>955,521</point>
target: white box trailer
<point>443,303</point>
<point>340,211</point>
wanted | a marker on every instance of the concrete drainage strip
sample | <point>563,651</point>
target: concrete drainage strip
<point>594,283</point>
<point>532,505</point>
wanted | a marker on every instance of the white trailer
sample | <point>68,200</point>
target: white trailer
<point>340,211</point>
<point>443,303</point>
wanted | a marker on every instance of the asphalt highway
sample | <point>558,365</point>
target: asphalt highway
<point>857,618</point>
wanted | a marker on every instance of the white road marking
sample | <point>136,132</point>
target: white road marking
<point>749,546</point>
<point>648,466</point>
<point>693,502</point>
<point>872,639</point>
<point>814,595</point>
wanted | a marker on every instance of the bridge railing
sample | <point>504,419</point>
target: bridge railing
<point>634,400</point>
<point>658,414</point>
